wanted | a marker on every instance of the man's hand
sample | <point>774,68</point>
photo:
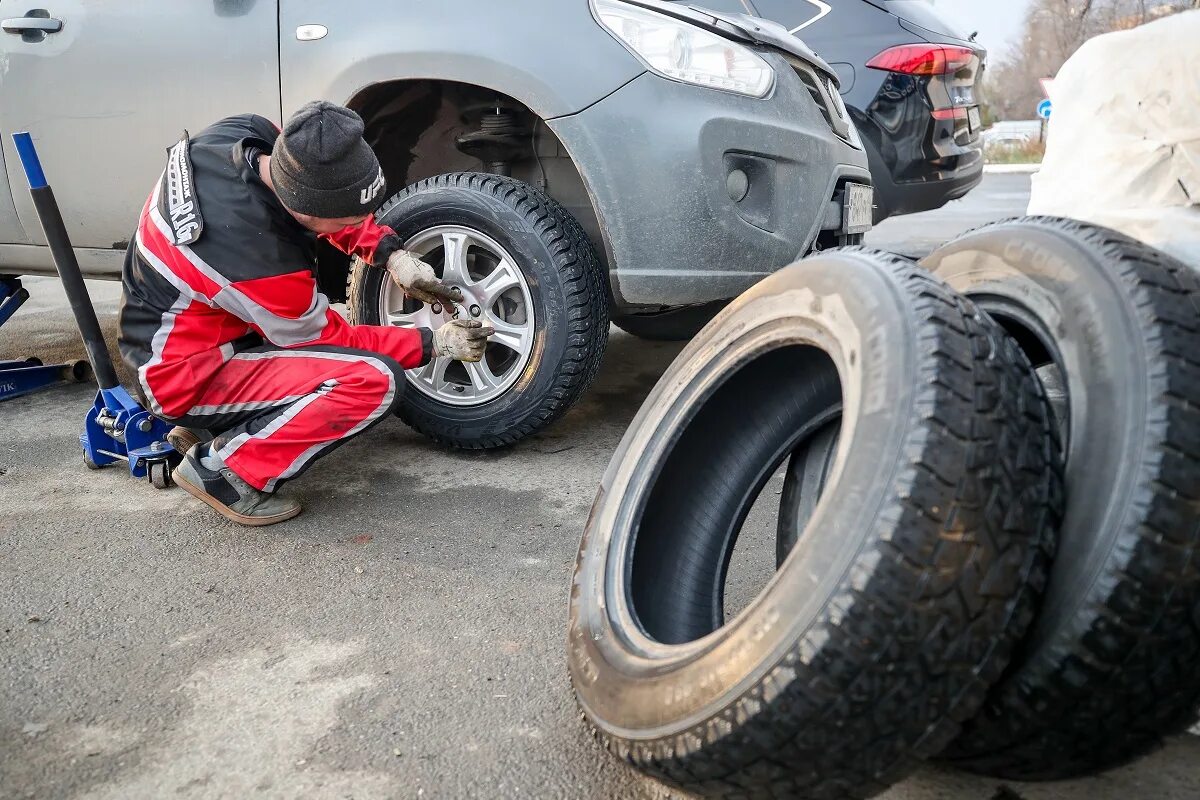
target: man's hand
<point>417,279</point>
<point>461,339</point>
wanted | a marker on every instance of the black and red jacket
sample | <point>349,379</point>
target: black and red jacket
<point>216,257</point>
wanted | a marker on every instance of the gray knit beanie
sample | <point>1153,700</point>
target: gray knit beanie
<point>321,166</point>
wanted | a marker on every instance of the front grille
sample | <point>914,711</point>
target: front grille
<point>810,83</point>
<point>824,93</point>
<point>838,106</point>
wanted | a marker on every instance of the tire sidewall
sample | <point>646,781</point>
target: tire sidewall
<point>420,208</point>
<point>636,689</point>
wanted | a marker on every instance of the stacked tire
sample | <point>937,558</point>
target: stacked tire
<point>1110,666</point>
<point>918,609</point>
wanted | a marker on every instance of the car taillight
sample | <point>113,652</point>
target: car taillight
<point>958,112</point>
<point>923,59</point>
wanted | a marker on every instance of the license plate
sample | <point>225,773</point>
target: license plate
<point>973,119</point>
<point>859,209</point>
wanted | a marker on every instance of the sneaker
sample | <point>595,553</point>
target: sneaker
<point>204,475</point>
<point>183,439</point>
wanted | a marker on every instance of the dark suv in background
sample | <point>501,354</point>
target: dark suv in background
<point>908,77</point>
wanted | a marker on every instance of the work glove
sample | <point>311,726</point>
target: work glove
<point>461,339</point>
<point>418,279</point>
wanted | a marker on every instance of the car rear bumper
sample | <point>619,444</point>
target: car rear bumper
<point>927,185</point>
<point>657,156</point>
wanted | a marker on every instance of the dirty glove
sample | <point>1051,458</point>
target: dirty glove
<point>417,279</point>
<point>461,339</point>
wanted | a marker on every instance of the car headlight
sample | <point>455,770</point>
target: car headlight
<point>683,52</point>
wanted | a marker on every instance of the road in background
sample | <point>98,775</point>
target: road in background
<point>405,637</point>
<point>1000,196</point>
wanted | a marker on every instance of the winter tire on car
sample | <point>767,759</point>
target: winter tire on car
<point>526,268</point>
<point>1110,666</point>
<point>902,601</point>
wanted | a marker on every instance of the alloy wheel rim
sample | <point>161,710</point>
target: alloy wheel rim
<point>494,291</point>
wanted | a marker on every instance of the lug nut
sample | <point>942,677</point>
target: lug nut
<point>476,311</point>
<point>437,309</point>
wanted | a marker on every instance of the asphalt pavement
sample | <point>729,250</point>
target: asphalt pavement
<point>404,638</point>
<point>1000,196</point>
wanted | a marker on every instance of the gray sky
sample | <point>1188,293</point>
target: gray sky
<point>998,21</point>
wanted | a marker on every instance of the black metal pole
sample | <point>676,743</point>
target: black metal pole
<point>66,264</point>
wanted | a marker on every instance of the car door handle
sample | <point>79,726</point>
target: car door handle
<point>32,24</point>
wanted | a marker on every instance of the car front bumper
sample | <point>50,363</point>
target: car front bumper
<point>657,157</point>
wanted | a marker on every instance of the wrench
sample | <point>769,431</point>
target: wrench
<point>452,302</point>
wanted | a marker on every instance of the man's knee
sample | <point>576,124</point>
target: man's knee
<point>387,377</point>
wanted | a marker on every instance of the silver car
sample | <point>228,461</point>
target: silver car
<point>566,161</point>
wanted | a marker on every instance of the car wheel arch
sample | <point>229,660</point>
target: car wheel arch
<point>412,124</point>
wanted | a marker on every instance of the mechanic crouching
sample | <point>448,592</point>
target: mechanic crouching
<point>223,321</point>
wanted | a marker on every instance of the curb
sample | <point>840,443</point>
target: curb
<point>1011,169</point>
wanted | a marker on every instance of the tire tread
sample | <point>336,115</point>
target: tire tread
<point>926,617</point>
<point>1124,674</point>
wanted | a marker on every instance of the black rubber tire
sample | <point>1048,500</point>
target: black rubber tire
<point>566,282</point>
<point>1112,664</point>
<point>803,485</point>
<point>884,630</point>
<point>677,325</point>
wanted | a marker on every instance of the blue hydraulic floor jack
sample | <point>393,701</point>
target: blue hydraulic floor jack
<point>22,377</point>
<point>117,428</point>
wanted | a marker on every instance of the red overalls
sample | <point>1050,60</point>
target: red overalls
<point>230,332</point>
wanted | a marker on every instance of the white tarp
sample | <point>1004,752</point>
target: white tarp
<point>1124,138</point>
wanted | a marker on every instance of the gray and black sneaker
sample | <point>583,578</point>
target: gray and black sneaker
<point>204,475</point>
